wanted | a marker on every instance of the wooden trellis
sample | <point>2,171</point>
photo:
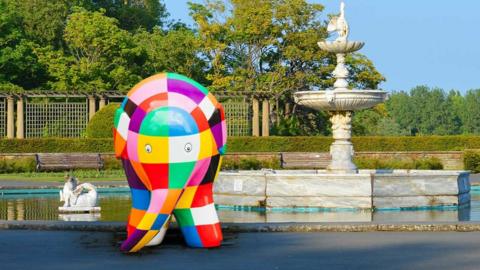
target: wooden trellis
<point>53,114</point>
<point>55,119</point>
<point>238,111</point>
<point>3,117</point>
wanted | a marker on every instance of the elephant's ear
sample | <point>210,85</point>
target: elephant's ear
<point>222,143</point>
<point>120,145</point>
<point>120,133</point>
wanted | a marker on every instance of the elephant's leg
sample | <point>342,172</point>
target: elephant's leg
<point>147,220</point>
<point>157,240</point>
<point>197,217</point>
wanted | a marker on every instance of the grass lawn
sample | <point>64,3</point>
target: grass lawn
<point>83,176</point>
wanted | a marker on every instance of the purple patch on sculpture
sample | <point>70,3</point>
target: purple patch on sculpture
<point>136,120</point>
<point>133,239</point>
<point>217,134</point>
<point>133,180</point>
<point>185,89</point>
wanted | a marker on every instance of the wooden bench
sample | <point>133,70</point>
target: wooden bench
<point>68,161</point>
<point>292,160</point>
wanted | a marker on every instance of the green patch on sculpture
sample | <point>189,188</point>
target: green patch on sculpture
<point>179,173</point>
<point>154,123</point>
<point>184,217</point>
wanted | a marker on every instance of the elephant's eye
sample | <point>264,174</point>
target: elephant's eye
<point>188,147</point>
<point>148,148</point>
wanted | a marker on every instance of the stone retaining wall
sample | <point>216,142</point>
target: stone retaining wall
<point>368,189</point>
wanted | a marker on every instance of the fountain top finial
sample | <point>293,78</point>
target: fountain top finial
<point>340,45</point>
<point>339,24</point>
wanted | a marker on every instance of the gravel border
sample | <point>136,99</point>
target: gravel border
<point>255,227</point>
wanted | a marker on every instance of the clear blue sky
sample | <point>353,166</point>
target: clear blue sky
<point>411,42</point>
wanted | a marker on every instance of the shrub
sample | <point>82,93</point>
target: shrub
<point>409,164</point>
<point>112,163</point>
<point>471,161</point>
<point>101,124</point>
<point>17,165</point>
<point>250,163</point>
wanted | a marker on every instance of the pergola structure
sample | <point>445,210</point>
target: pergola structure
<point>46,113</point>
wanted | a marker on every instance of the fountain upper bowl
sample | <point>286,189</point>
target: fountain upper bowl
<point>340,100</point>
<point>341,46</point>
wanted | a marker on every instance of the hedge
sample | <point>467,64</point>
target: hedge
<point>363,144</point>
<point>259,144</point>
<point>101,124</point>
<point>56,145</point>
<point>471,161</point>
<point>411,164</point>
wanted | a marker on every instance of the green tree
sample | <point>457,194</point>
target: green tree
<point>172,51</point>
<point>427,111</point>
<point>270,45</point>
<point>100,56</point>
<point>42,20</point>
<point>365,122</point>
<point>131,14</point>
<point>19,65</point>
<point>471,115</point>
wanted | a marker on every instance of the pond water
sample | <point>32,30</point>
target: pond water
<point>115,203</point>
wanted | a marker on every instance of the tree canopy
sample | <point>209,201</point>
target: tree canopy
<point>234,45</point>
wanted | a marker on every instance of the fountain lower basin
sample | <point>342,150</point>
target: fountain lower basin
<point>368,189</point>
<point>340,100</point>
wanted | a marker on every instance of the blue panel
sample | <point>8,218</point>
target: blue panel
<point>191,236</point>
<point>124,103</point>
<point>157,225</point>
<point>223,150</point>
<point>140,198</point>
<point>180,122</point>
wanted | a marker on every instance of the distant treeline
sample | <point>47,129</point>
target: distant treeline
<point>420,111</point>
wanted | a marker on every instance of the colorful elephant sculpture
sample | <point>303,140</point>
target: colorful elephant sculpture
<point>170,134</point>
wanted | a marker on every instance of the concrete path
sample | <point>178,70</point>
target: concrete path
<point>251,251</point>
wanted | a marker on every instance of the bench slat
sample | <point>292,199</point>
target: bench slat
<point>63,161</point>
<point>305,160</point>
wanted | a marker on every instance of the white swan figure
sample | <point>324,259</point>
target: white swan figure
<point>74,196</point>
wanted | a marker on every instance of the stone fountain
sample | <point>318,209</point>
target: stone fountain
<point>342,185</point>
<point>341,101</point>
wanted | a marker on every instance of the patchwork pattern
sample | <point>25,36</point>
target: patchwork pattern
<point>170,133</point>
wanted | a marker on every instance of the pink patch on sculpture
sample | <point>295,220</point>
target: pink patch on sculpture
<point>149,89</point>
<point>132,147</point>
<point>199,172</point>
<point>157,199</point>
<point>181,101</point>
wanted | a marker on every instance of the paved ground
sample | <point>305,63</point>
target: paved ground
<point>251,251</point>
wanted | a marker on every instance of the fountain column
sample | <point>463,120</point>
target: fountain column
<point>340,73</point>
<point>341,149</point>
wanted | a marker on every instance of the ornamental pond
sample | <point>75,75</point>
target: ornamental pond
<point>42,204</point>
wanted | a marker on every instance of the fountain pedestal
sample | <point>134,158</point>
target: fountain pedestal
<point>342,149</point>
